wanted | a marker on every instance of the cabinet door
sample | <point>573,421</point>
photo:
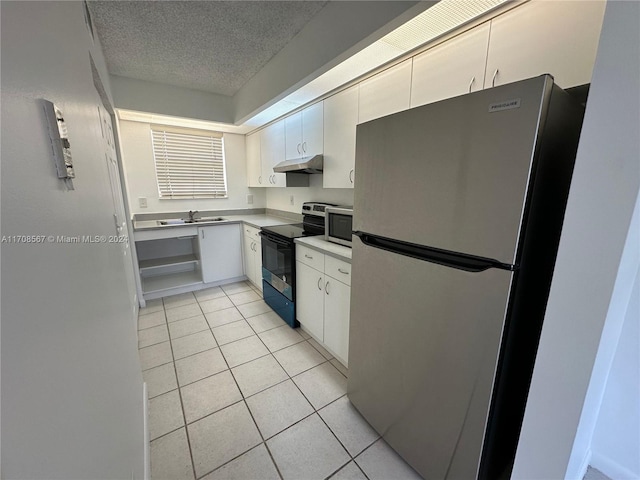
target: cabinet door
<point>340,120</point>
<point>272,147</point>
<point>336,318</point>
<point>257,258</point>
<point>385,93</point>
<point>452,68</point>
<point>312,130</point>
<point>254,163</point>
<point>293,136</point>
<point>249,261</point>
<point>560,38</point>
<point>310,299</point>
<point>220,252</point>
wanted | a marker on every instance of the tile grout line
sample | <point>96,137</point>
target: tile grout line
<point>184,416</point>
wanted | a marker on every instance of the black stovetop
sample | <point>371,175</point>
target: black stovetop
<point>288,231</point>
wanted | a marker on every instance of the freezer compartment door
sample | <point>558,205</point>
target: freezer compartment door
<point>453,174</point>
<point>423,349</point>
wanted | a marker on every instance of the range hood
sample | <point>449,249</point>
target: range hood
<point>311,164</point>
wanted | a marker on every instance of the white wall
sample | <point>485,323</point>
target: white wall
<point>615,445</point>
<point>280,198</point>
<point>140,177</point>
<point>601,203</point>
<point>72,403</point>
<point>144,96</point>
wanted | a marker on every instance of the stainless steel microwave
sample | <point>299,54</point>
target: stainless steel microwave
<point>338,224</point>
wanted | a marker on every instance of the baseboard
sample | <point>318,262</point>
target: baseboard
<point>145,413</point>
<point>611,468</point>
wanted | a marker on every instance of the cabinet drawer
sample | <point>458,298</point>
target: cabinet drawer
<point>252,232</point>
<point>310,257</point>
<point>338,269</point>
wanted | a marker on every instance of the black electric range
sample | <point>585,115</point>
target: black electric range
<point>279,259</point>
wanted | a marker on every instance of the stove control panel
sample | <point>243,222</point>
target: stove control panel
<point>315,208</point>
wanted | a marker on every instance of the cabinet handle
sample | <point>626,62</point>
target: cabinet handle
<point>298,148</point>
<point>307,256</point>
<point>342,271</point>
<point>351,175</point>
<point>493,80</point>
<point>202,231</point>
<point>260,179</point>
<point>473,80</point>
<point>253,246</point>
<point>304,147</point>
<point>319,286</point>
<point>326,288</point>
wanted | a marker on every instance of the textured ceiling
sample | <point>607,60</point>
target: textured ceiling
<point>215,46</point>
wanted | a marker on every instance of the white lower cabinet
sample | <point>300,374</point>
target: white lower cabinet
<point>253,255</point>
<point>310,299</point>
<point>337,301</point>
<point>322,301</point>
<point>220,252</point>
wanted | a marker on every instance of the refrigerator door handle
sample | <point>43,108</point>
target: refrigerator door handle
<point>446,258</point>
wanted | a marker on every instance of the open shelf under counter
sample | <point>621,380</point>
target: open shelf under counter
<point>153,263</point>
<point>170,281</point>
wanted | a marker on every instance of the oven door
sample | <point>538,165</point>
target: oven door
<point>277,263</point>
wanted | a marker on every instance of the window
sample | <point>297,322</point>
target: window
<point>189,163</point>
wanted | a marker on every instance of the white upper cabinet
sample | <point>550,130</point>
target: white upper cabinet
<point>385,93</point>
<point>272,147</point>
<point>312,129</point>
<point>560,38</point>
<point>304,132</point>
<point>340,120</point>
<point>254,162</point>
<point>452,68</point>
<point>293,136</point>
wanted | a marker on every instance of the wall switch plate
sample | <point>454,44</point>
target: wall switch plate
<point>291,200</point>
<point>250,199</point>
<point>142,201</point>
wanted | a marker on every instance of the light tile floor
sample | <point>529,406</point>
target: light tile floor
<point>234,393</point>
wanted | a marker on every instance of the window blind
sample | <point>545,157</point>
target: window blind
<point>189,163</point>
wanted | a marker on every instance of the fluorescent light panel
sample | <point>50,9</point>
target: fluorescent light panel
<point>441,18</point>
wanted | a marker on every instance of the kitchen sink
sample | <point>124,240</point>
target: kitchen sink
<point>182,221</point>
<point>208,219</point>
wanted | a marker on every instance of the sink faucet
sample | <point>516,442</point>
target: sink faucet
<point>192,215</point>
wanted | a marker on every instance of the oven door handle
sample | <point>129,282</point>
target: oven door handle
<point>275,239</point>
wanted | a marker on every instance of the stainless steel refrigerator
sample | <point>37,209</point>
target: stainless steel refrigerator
<point>457,217</point>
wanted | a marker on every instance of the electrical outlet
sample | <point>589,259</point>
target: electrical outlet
<point>291,201</point>
<point>142,201</point>
<point>250,199</point>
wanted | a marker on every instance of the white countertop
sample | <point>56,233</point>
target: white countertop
<point>319,243</point>
<point>257,221</point>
